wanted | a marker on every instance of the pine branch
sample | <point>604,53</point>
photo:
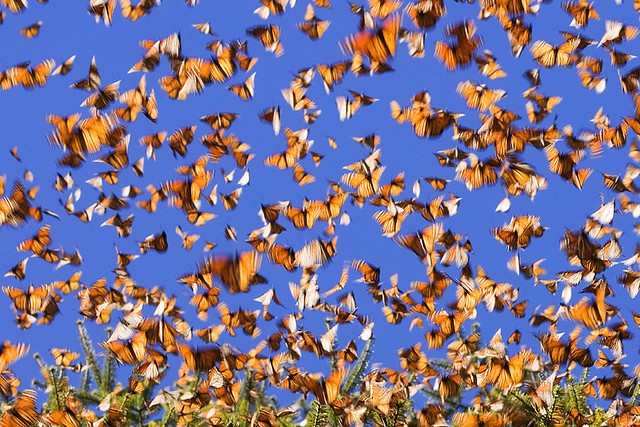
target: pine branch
<point>355,377</point>
<point>90,353</point>
<point>522,402</point>
<point>634,396</point>
<point>398,417</point>
<point>108,374</point>
<point>248,395</point>
<point>57,390</point>
<point>44,370</point>
<point>320,416</point>
<point>85,380</point>
<point>579,400</point>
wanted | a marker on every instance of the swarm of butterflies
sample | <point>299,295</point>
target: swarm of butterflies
<point>150,323</point>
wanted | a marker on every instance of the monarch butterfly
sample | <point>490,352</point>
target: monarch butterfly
<point>317,252</point>
<point>15,6</point>
<point>92,82</point>
<point>220,120</point>
<point>533,77</point>
<point>134,100</point>
<point>203,302</point>
<point>169,46</point>
<point>564,165</point>
<point>415,42</point>
<point>180,139</point>
<point>200,359</point>
<point>438,184</point>
<point>475,173</point>
<point>23,412</point>
<point>61,183</point>
<point>177,89</point>
<point>244,90</point>
<point>589,314</point>
<point>31,301</point>
<point>297,99</point>
<point>549,56</point>
<point>187,239</point>
<point>118,157</point>
<point>464,346</point>
<point>50,255</point>
<point>383,8</point>
<point>211,334</point>
<point>271,115</point>
<point>136,12</point>
<point>38,242</point>
<point>245,62</point>
<point>327,391</point>
<point>230,233</point>
<point>102,9</point>
<point>518,309</point>
<point>64,128</point>
<point>423,242</point>
<point>19,270</point>
<point>204,28</point>
<point>412,359</point>
<point>275,7</point>
<point>545,105</point>
<point>64,357</point>
<point>518,33</point>
<point>158,330</point>
<point>519,231</point>
<point>302,218</point>
<point>332,73</point>
<point>503,373</point>
<point>64,68</point>
<point>617,32</point>
<point>370,273</point>
<point>581,12</point>
<point>236,272</point>
<point>157,242</point>
<point>152,142</point>
<point>148,63</point>
<point>94,132</point>
<point>391,220</point>
<point>313,27</point>
<point>128,352</point>
<point>283,160</point>
<point>245,319</point>
<point>346,107</point>
<point>103,96</point>
<point>379,44</point>
<point>230,201</point>
<point>32,30</point>
<point>70,285</point>
<point>220,69</point>
<point>366,20</point>
<point>488,66</point>
<point>317,158</point>
<point>630,280</point>
<point>471,419</point>
<point>32,77</point>
<point>269,36</point>
<point>11,352</point>
<point>425,14</point>
<point>479,96</point>
<point>283,256</point>
<point>301,176</point>
<point>460,53</point>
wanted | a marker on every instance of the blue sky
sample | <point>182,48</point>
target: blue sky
<point>69,30</point>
